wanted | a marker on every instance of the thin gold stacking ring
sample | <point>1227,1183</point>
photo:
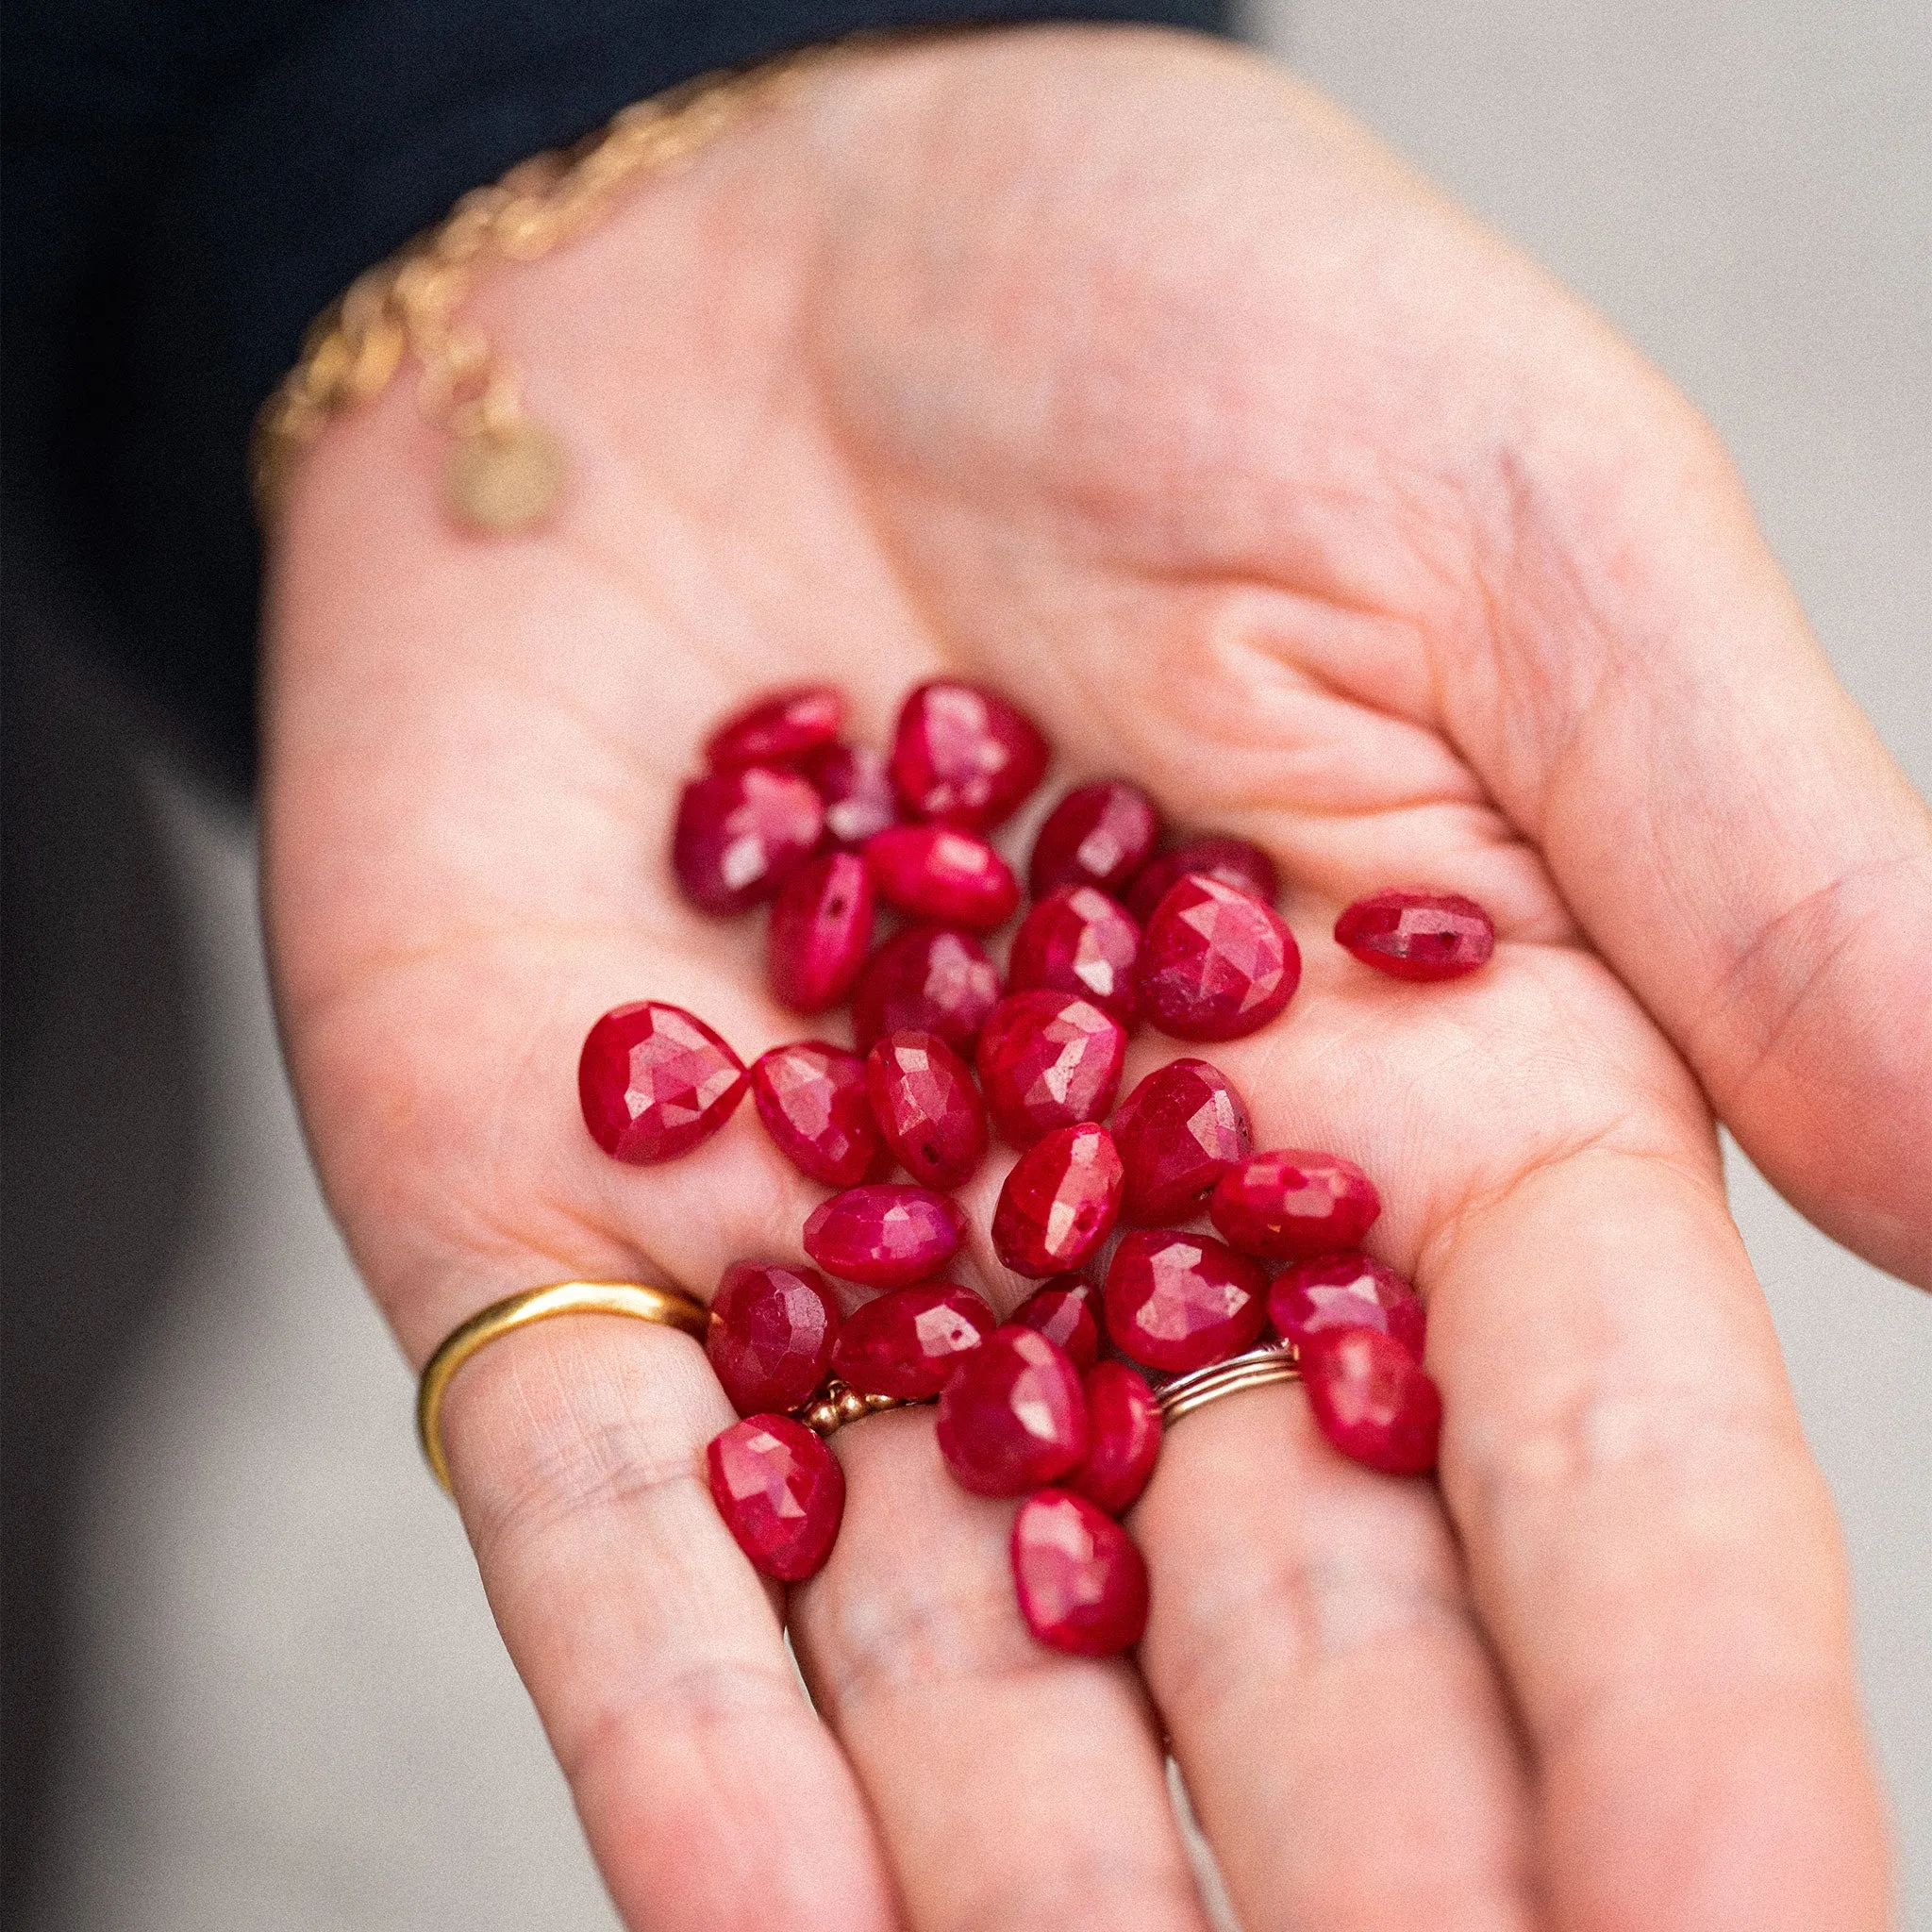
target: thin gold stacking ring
<point>1256,1369</point>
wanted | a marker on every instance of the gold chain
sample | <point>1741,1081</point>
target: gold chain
<point>505,471</point>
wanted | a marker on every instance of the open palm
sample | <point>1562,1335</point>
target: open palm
<point>1117,372</point>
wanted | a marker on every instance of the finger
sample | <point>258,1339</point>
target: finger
<point>1311,1645</point>
<point>1013,1786</point>
<point>712,1796</point>
<point>1653,1553</point>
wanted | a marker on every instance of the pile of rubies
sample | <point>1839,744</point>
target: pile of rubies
<point>1117,932</point>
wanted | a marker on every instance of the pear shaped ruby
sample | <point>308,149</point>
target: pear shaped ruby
<point>1122,1437</point>
<point>1291,1202</point>
<point>886,1235</point>
<point>1417,934</point>
<point>811,1097</point>
<point>1081,1583</point>
<point>771,1335</point>
<point>1097,835</point>
<point>964,755</point>
<point>908,1342</point>
<point>1066,1310</point>
<point>1177,1300</point>
<point>1046,1060</point>
<point>929,979</point>
<point>1233,861</point>
<point>1215,963</point>
<point>780,1491</point>
<point>1177,1132</point>
<point>1012,1416</point>
<point>1060,1201</point>
<point>928,1107</point>
<point>1346,1290</point>
<point>741,834</point>
<point>654,1081</point>
<point>777,728</point>
<point>938,871</point>
<point>1080,942</point>
<point>1373,1399</point>
<point>819,933</point>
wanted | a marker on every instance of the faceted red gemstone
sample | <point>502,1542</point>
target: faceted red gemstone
<point>1081,1582</point>
<point>1289,1203</point>
<point>821,931</point>
<point>740,835</point>
<point>654,1081</point>
<point>1417,934</point>
<point>1060,1201</point>
<point>1066,1310</point>
<point>780,1491</point>
<point>1078,941</point>
<point>1097,835</point>
<point>908,1342</point>
<point>885,1235</point>
<point>1177,1132</point>
<point>930,979</point>
<point>1215,963</point>
<point>858,791</point>
<point>771,1335</point>
<point>1123,1435</point>
<point>936,872</point>
<point>1012,1416</point>
<point>1347,1290</point>
<point>1233,861</point>
<point>964,755</point>
<point>1047,1060</point>
<point>777,728</point>
<point>928,1107</point>
<point>812,1100</point>
<point>1373,1399</point>
<point>1178,1301</point>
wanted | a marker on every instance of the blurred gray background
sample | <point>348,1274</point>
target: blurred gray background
<point>281,1703</point>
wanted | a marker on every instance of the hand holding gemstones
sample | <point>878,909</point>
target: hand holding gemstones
<point>1118,376</point>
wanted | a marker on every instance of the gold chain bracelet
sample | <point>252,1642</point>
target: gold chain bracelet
<point>506,470</point>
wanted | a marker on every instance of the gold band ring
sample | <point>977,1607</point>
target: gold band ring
<point>1256,1369</point>
<point>666,1306</point>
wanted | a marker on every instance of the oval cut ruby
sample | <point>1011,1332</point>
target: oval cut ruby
<point>1373,1399</point>
<point>771,1335</point>
<point>1177,1132</point>
<point>964,755</point>
<point>1346,1290</point>
<point>1124,1437</point>
<point>857,789</point>
<point>1012,1416</point>
<point>1081,1582</point>
<point>1060,1201</point>
<point>906,1344</point>
<point>1177,1300</point>
<point>1215,963</point>
<point>777,728</point>
<point>929,979</point>
<point>1046,1060</point>
<point>811,1097</point>
<point>1288,1203</point>
<point>1233,861</point>
<point>654,1081</point>
<point>886,1235</point>
<point>928,1107</point>
<point>939,872</point>
<point>1066,1310</point>
<point>741,834</point>
<point>1098,835</point>
<point>821,930</point>
<point>780,1491</point>
<point>1080,942</point>
<point>1417,934</point>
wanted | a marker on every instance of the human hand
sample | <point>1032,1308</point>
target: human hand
<point>1120,373</point>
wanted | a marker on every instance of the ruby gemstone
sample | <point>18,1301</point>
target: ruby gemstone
<point>777,728</point>
<point>1215,963</point>
<point>771,1335</point>
<point>1081,1582</point>
<point>654,1081</point>
<point>812,1098</point>
<point>1177,1132</point>
<point>1373,1399</point>
<point>1417,934</point>
<point>928,1107</point>
<point>885,1235</point>
<point>819,933</point>
<point>1284,1205</point>
<point>1078,941</point>
<point>1066,1310</point>
<point>740,835</point>
<point>1097,835</point>
<point>929,979</point>
<point>1177,1300</point>
<point>964,755</point>
<point>907,1343</point>
<point>1012,1417</point>
<point>1060,1201</point>
<point>1347,1290</point>
<point>938,871</point>
<point>1233,861</point>
<point>1123,1437</point>
<point>1047,1060</point>
<point>780,1491</point>
<point>857,792</point>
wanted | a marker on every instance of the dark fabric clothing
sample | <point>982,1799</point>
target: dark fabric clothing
<point>186,185</point>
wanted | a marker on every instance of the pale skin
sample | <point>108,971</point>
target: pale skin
<point>1123,374</point>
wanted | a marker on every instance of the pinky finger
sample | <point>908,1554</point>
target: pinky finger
<point>712,1794</point>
